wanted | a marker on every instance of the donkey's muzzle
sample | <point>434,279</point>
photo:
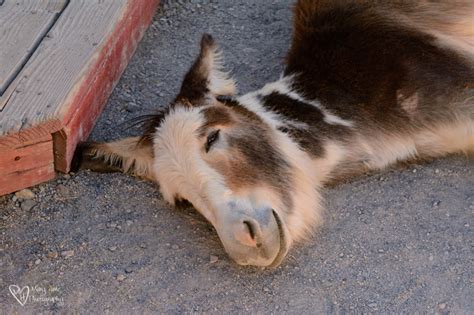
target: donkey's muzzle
<point>254,237</point>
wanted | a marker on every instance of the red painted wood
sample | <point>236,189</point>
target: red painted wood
<point>32,156</point>
<point>98,83</point>
<point>26,166</point>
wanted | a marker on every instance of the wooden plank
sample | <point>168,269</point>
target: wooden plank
<point>26,166</point>
<point>60,61</point>
<point>64,86</point>
<point>24,24</point>
<point>83,107</point>
<point>19,180</point>
<point>27,157</point>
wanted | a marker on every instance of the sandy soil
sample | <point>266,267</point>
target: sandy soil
<point>400,241</point>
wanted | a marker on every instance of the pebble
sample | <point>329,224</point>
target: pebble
<point>142,245</point>
<point>120,277</point>
<point>213,259</point>
<point>436,171</point>
<point>372,305</point>
<point>129,270</point>
<point>174,246</point>
<point>67,253</point>
<point>436,203</point>
<point>25,194</point>
<point>442,306</point>
<point>113,248</point>
<point>37,261</point>
<point>27,205</point>
<point>111,225</point>
<point>52,255</point>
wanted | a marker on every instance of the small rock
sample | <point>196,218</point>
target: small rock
<point>174,246</point>
<point>25,194</point>
<point>341,255</point>
<point>442,306</point>
<point>142,245</point>
<point>113,248</point>
<point>436,171</point>
<point>373,305</point>
<point>111,225</point>
<point>381,251</point>
<point>436,203</point>
<point>213,259</point>
<point>132,107</point>
<point>129,270</point>
<point>414,171</point>
<point>129,222</point>
<point>27,205</point>
<point>67,253</point>
<point>120,277</point>
<point>63,190</point>
<point>37,261</point>
<point>265,289</point>
<point>52,255</point>
<point>431,258</point>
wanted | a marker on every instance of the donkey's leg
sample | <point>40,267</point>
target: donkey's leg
<point>128,155</point>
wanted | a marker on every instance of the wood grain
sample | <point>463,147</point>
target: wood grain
<point>63,88</point>
<point>26,166</point>
<point>24,24</point>
<point>59,62</point>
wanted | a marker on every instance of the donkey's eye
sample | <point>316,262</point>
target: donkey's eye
<point>211,138</point>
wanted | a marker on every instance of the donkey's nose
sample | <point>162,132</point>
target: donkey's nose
<point>252,236</point>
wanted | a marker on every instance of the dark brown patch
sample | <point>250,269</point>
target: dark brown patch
<point>195,83</point>
<point>311,139</point>
<point>354,58</point>
<point>254,160</point>
<point>214,116</point>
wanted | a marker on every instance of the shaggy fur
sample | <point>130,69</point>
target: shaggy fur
<point>367,84</point>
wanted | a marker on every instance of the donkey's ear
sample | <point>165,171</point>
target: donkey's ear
<point>206,77</point>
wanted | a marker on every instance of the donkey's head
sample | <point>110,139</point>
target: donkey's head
<point>232,166</point>
<point>246,177</point>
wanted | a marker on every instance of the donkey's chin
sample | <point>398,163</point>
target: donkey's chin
<point>257,237</point>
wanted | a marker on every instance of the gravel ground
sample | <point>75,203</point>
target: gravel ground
<point>400,241</point>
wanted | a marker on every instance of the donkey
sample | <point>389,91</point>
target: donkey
<point>367,84</point>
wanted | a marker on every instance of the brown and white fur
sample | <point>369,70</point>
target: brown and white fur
<point>367,84</point>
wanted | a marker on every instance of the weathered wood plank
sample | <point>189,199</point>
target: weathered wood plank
<point>59,62</point>
<point>64,86</point>
<point>83,107</point>
<point>24,24</point>
<point>26,166</point>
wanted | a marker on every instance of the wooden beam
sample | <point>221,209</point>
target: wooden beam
<point>62,89</point>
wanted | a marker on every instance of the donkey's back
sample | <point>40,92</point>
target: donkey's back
<point>401,71</point>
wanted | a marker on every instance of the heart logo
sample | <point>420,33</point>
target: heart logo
<point>21,295</point>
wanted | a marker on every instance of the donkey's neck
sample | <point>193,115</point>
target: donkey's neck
<point>317,131</point>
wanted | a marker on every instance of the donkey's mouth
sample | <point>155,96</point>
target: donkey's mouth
<point>255,237</point>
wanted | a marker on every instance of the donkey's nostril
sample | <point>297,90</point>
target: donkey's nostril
<point>247,233</point>
<point>251,229</point>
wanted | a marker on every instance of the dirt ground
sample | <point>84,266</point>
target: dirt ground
<point>400,241</point>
